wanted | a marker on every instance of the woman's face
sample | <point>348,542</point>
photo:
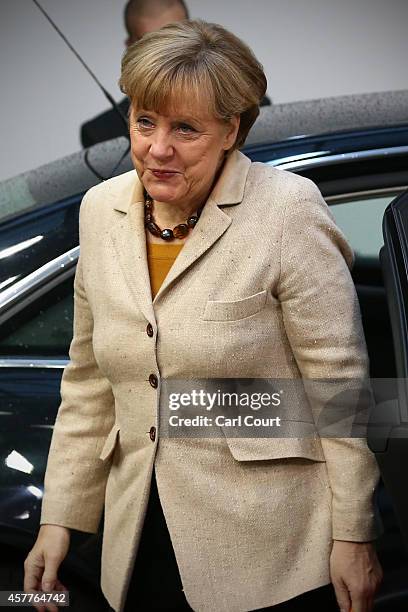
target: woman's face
<point>177,154</point>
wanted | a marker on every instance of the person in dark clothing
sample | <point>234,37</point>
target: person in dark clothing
<point>140,16</point>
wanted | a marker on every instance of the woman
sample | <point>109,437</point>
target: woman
<point>246,268</point>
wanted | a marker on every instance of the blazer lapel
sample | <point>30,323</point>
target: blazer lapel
<point>129,241</point>
<point>211,225</point>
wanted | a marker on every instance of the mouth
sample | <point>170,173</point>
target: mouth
<point>163,173</point>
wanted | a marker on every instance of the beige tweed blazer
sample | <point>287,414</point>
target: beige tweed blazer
<point>261,289</point>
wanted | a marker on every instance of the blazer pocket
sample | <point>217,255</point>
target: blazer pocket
<point>110,443</point>
<point>235,310</point>
<point>263,449</point>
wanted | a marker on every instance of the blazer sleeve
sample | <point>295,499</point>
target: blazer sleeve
<point>75,478</point>
<point>323,324</point>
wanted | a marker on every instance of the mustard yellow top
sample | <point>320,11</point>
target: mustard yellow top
<point>160,258</point>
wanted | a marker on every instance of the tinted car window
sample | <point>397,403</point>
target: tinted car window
<point>360,220</point>
<point>30,240</point>
<point>43,328</point>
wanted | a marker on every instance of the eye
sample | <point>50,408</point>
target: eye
<point>144,122</point>
<point>184,128</point>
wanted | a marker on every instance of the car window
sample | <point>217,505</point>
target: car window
<point>43,328</point>
<point>360,220</point>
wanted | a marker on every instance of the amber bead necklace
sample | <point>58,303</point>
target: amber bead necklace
<point>180,231</point>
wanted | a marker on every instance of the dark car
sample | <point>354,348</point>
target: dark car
<point>354,148</point>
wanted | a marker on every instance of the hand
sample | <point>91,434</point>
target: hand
<point>356,575</point>
<point>42,563</point>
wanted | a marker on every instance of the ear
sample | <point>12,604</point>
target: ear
<point>231,135</point>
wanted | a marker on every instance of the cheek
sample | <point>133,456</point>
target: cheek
<point>135,148</point>
<point>138,145</point>
<point>138,154</point>
<point>135,160</point>
<point>203,164</point>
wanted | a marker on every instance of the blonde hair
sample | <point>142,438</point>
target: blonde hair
<point>195,61</point>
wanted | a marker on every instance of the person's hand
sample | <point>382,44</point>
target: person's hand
<point>356,575</point>
<point>42,563</point>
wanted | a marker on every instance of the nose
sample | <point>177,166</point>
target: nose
<point>161,146</point>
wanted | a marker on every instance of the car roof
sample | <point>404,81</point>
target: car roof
<point>329,115</point>
<point>65,177</point>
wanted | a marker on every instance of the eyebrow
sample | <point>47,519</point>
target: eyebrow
<point>176,119</point>
<point>186,120</point>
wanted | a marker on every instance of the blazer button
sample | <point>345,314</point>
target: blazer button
<point>152,434</point>
<point>153,381</point>
<point>149,330</point>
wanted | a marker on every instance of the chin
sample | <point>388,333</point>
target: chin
<point>161,193</point>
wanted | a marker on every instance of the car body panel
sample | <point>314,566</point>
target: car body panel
<point>394,260</point>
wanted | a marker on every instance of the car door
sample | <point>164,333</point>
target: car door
<point>36,322</point>
<point>392,447</point>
